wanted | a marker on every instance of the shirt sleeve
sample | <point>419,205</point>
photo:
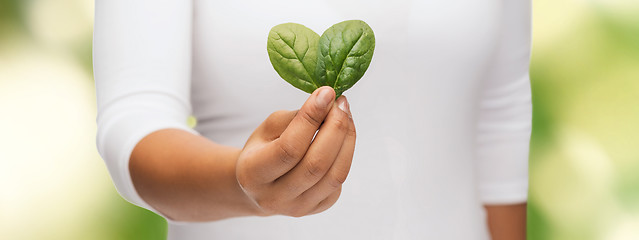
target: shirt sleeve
<point>505,111</point>
<point>142,64</point>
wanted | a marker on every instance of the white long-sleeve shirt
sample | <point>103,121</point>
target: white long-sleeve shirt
<point>443,113</point>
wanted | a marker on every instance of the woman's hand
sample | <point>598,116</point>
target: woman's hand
<point>286,169</point>
<point>281,169</point>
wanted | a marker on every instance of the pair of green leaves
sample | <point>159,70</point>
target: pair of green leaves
<point>307,61</point>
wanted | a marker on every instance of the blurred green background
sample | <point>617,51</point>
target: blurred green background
<point>584,165</point>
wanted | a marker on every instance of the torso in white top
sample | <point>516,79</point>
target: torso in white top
<point>442,114</point>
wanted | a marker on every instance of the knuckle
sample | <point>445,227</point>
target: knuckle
<point>329,201</point>
<point>338,179</point>
<point>270,120</point>
<point>315,168</point>
<point>311,118</point>
<point>288,153</point>
<point>274,119</point>
<point>296,210</point>
<point>351,132</point>
<point>341,122</point>
<point>276,115</point>
<point>297,214</point>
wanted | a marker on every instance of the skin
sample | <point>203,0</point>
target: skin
<point>281,170</point>
<point>507,222</point>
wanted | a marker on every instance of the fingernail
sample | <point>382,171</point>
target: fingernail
<point>324,97</point>
<point>342,103</point>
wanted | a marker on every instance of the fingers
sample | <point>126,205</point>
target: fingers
<point>299,187</point>
<point>270,129</point>
<point>327,191</point>
<point>327,202</point>
<point>332,181</point>
<point>321,154</point>
<point>274,125</point>
<point>295,140</point>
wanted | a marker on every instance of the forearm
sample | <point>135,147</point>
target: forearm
<point>188,177</point>
<point>507,222</point>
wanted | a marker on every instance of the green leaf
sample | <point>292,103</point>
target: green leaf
<point>292,49</point>
<point>307,61</point>
<point>345,52</point>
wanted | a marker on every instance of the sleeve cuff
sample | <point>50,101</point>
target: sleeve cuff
<point>504,193</point>
<point>123,125</point>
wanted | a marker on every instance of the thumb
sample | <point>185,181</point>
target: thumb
<point>293,143</point>
<point>299,133</point>
<point>309,118</point>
